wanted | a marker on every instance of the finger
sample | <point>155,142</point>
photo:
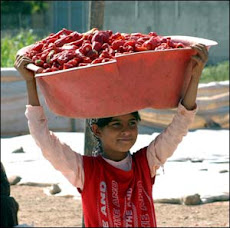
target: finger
<point>25,61</point>
<point>27,58</point>
<point>204,48</point>
<point>197,59</point>
<point>201,52</point>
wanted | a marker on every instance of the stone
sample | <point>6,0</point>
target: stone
<point>20,150</point>
<point>13,180</point>
<point>168,200</point>
<point>35,184</point>
<point>55,189</point>
<point>196,160</point>
<point>223,171</point>
<point>192,199</point>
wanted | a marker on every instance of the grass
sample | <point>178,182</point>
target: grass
<point>218,72</point>
<point>11,44</point>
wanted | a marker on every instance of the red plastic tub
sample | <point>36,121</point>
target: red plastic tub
<point>151,79</point>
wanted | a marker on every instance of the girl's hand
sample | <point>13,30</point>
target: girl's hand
<point>200,60</point>
<point>20,65</point>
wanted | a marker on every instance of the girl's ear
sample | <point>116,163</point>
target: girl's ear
<point>96,130</point>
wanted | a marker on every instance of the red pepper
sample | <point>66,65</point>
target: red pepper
<point>163,46</point>
<point>53,68</point>
<point>105,60</point>
<point>170,43</point>
<point>180,45</point>
<point>46,65</point>
<point>49,56</point>
<point>153,34</point>
<point>57,35</point>
<point>83,64</point>
<point>38,46</point>
<point>101,37</point>
<point>86,48</point>
<point>39,62</point>
<point>117,43</point>
<point>73,62</point>
<point>105,46</point>
<point>97,60</point>
<point>87,60</point>
<point>105,54</point>
<point>147,44</point>
<point>96,45</point>
<point>92,54</point>
<point>140,48</point>
<point>31,53</point>
<point>46,70</point>
<point>77,42</point>
<point>130,43</point>
<point>129,48</point>
<point>115,36</point>
<point>67,66</point>
<point>68,39</point>
<point>51,40</point>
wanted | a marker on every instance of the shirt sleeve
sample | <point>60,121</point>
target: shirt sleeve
<point>164,145</point>
<point>60,155</point>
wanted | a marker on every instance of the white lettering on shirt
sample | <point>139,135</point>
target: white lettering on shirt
<point>145,221</point>
<point>115,198</point>
<point>102,193</point>
<point>116,217</point>
<point>128,218</point>
<point>140,197</point>
<point>105,223</point>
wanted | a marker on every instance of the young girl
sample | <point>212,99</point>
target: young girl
<point>116,187</point>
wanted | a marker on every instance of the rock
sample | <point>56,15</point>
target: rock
<point>218,198</point>
<point>223,171</point>
<point>20,150</point>
<point>192,200</point>
<point>35,184</point>
<point>203,169</point>
<point>168,200</point>
<point>13,180</point>
<point>55,189</point>
<point>196,160</point>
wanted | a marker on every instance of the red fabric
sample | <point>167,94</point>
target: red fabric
<point>112,197</point>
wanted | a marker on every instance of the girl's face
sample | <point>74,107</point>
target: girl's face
<point>118,136</point>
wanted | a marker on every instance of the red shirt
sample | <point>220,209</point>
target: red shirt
<point>112,197</point>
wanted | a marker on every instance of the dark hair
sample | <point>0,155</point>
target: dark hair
<point>102,122</point>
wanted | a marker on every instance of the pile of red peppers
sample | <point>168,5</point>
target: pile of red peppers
<point>67,49</point>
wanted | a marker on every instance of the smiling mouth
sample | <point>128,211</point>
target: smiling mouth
<point>125,140</point>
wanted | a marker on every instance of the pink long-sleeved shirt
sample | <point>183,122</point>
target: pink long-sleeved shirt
<point>70,163</point>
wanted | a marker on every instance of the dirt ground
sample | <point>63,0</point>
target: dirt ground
<point>40,210</point>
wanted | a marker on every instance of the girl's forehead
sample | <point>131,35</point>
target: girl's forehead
<point>123,117</point>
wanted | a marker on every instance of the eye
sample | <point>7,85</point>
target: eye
<point>133,123</point>
<point>115,124</point>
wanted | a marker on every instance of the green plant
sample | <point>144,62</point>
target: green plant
<point>218,72</point>
<point>11,44</point>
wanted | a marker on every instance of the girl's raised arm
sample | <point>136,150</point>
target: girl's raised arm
<point>189,100</point>
<point>20,65</point>
<point>166,143</point>
<point>60,155</point>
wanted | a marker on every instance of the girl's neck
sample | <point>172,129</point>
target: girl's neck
<point>115,156</point>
